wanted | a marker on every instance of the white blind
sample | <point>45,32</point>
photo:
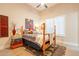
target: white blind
<point>49,26</point>
<point>60,25</point>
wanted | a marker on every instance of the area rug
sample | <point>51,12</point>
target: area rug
<point>59,51</point>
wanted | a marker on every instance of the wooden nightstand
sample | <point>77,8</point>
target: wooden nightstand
<point>16,43</point>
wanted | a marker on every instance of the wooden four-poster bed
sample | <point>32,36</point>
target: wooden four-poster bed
<point>44,38</point>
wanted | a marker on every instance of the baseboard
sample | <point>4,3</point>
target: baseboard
<point>71,45</point>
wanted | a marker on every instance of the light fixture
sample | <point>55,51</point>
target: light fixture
<point>42,4</point>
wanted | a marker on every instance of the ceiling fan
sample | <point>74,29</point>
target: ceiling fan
<point>45,5</point>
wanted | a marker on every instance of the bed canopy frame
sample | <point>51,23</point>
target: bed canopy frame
<point>45,46</point>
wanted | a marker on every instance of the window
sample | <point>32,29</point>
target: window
<point>60,25</point>
<point>49,26</point>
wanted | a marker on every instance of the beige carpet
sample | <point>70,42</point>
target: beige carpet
<point>15,52</point>
<point>22,51</point>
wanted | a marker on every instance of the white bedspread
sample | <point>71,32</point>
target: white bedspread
<point>39,39</point>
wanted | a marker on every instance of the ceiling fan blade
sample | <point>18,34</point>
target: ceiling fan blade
<point>45,6</point>
<point>38,5</point>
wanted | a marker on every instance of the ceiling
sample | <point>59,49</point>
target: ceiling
<point>41,8</point>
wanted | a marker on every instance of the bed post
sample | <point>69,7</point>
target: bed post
<point>21,30</point>
<point>43,39</point>
<point>54,38</point>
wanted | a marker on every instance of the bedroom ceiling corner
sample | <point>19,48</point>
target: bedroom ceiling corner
<point>41,7</point>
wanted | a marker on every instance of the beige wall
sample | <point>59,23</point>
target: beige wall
<point>71,28</point>
<point>17,14</point>
<point>59,9</point>
<point>71,12</point>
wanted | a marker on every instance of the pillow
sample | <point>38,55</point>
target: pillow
<point>18,31</point>
<point>26,31</point>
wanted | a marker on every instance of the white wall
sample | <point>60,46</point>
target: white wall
<point>17,14</point>
<point>71,28</point>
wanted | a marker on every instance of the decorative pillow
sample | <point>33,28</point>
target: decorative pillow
<point>26,31</point>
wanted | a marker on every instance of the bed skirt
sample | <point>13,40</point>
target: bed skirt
<point>31,44</point>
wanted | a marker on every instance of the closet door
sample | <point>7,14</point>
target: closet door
<point>0,26</point>
<point>3,26</point>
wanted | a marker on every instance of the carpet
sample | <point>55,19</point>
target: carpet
<point>22,51</point>
<point>59,51</point>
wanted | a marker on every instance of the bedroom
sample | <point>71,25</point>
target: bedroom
<point>17,13</point>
